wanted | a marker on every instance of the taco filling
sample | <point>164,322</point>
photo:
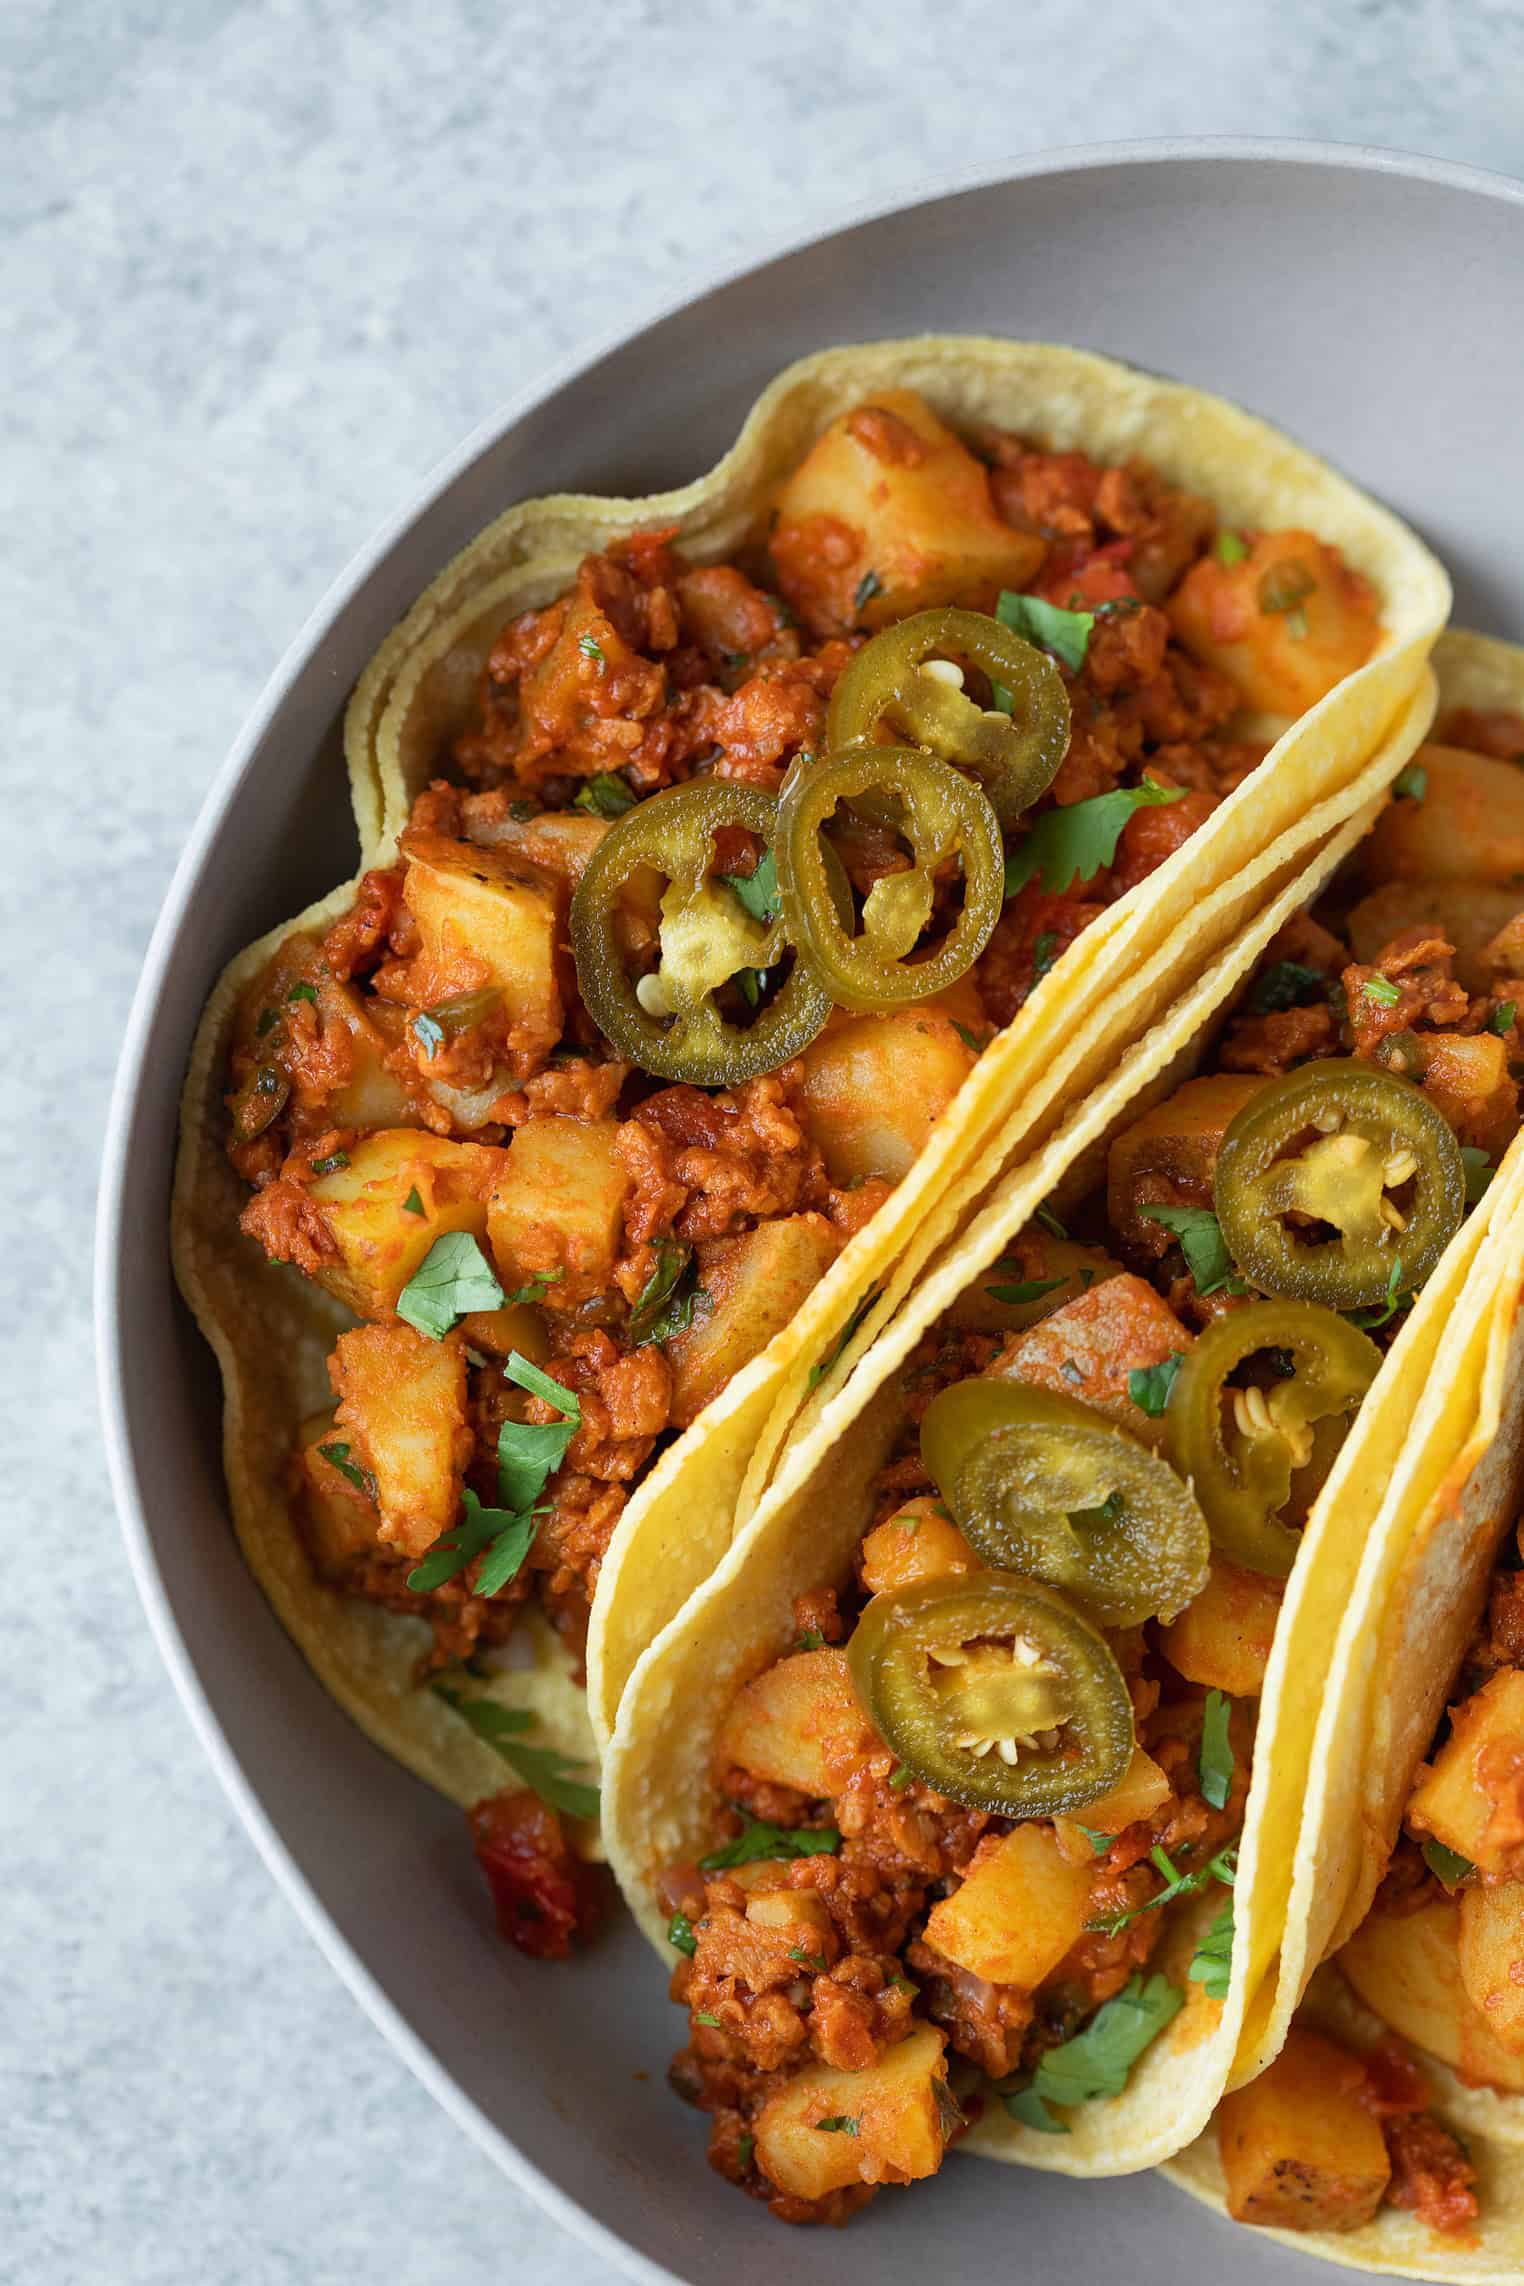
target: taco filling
<point>1006,1761</point>
<point>707,915</point>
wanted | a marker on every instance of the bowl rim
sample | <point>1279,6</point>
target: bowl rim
<point>111,1310</point>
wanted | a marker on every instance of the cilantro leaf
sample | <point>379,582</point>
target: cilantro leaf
<point>1027,2106</point>
<point>1050,1222</point>
<point>867,588</point>
<point>1447,1865</point>
<point>658,1313</point>
<point>1099,1842</point>
<point>1230,547</point>
<point>1203,1245</point>
<point>759,1839</point>
<point>1215,1761</point>
<point>1078,842</point>
<point>453,1277</point>
<point>1382,990</point>
<point>1044,952</point>
<point>1212,1961</point>
<point>1501,1019</point>
<point>543,1769</point>
<point>844,1339</point>
<point>1381,1312</point>
<point>413,1204</point>
<point>605,795</point>
<point>758,892</point>
<point>1097,2060</point>
<point>1285,984</point>
<point>337,1456</point>
<point>1029,1290</point>
<point>591,648</point>
<point>971,1040</point>
<point>680,1935</point>
<point>428,1034</point>
<point>1065,633</point>
<point>1479,1172</point>
<point>842,2124</point>
<point>331,1165</point>
<point>506,1532</point>
<point>303,992</point>
<point>1223,1867</point>
<point>530,1452</point>
<point>1149,1386</point>
<point>1413,781</point>
<point>534,1289</point>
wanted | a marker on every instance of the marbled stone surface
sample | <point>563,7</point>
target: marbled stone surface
<point>263,264</point>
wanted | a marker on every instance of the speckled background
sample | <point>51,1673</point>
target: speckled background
<point>263,264</point>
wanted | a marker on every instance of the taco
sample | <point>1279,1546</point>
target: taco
<point>742,867</point>
<point>964,1799</point>
<point>1409,1870</point>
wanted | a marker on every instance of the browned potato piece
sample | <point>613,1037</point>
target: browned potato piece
<point>889,491</point>
<point>1018,1910</point>
<point>558,1206</point>
<point>402,1408</point>
<point>1470,913</point>
<point>893,2106</point>
<point>1089,1347</point>
<point>918,1542</point>
<point>875,1087</point>
<point>1037,1258</point>
<point>1282,660</point>
<point>557,841</point>
<point>801,1911</point>
<point>1465,1075</point>
<point>484,917</point>
<point>1300,2150</point>
<point>516,1326</point>
<point>755,1283</point>
<point>371,1096</point>
<point>380,1238</point>
<point>1491,1951</point>
<point>1474,1775</point>
<point>342,1519</point>
<point>1223,1638</point>
<point>1143,1790</point>
<point>1169,1157</point>
<point>799,1724</point>
<point>1406,1967</point>
<point>1468,827</point>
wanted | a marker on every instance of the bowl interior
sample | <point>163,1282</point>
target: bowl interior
<point>1372,311</point>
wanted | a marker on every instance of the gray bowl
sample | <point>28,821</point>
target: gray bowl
<point>1368,304</point>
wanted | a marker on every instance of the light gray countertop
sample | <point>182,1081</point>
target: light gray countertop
<point>264,264</point>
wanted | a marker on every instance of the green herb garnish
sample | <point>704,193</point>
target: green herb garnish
<point>453,1277</point>
<point>1203,1245</point>
<point>1215,1761</point>
<point>759,1839</point>
<point>868,587</point>
<point>1412,781</point>
<point>1097,2060</point>
<point>1285,984</point>
<point>1382,990</point>
<point>758,892</point>
<point>338,1456</point>
<point>1230,547</point>
<point>604,796</point>
<point>1212,1961</point>
<point>1080,841</point>
<point>1446,1865</point>
<point>546,1771</point>
<point>1065,633</point>
<point>680,1935</point>
<point>1149,1386</point>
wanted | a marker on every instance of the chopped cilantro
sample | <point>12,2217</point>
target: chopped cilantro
<point>1097,2060</point>
<point>1044,953</point>
<point>744,2149</point>
<point>1286,984</point>
<point>1029,1290</point>
<point>702,2016</point>
<point>337,1456</point>
<point>1080,841</point>
<point>428,1034</point>
<point>680,1935</point>
<point>268,1020</point>
<point>1203,1245</point>
<point>807,1960</point>
<point>659,1310</point>
<point>1285,587</point>
<point>547,1772</point>
<point>1501,1019</point>
<point>1050,1222</point>
<point>303,992</point>
<point>1479,1172</point>
<point>604,796</point>
<point>1215,1760</point>
<point>971,1040</point>
<point>1212,1961</point>
<point>1382,990</point>
<point>1381,1312</point>
<point>1446,1865</point>
<point>759,1839</point>
<point>1099,1842</point>
<point>591,648</point>
<point>845,1338</point>
<point>810,1640</point>
<point>841,2124</point>
<point>331,1165</point>
<point>1222,1868</point>
<point>868,587</point>
<point>413,1204</point>
<point>530,1452</point>
<point>453,1277</point>
<point>1413,782</point>
<point>1230,547</point>
<point>758,892</point>
<point>749,983</point>
<point>1149,1386</point>
<point>901,1777</point>
<point>1065,633</point>
<point>507,1533</point>
<point>1026,2106</point>
<point>534,1289</point>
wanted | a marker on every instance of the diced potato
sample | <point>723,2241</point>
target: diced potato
<point>1037,1259</point>
<point>557,841</point>
<point>801,1909</point>
<point>1300,2148</point>
<point>799,1723</point>
<point>875,1087</point>
<point>756,1284</point>
<point>1470,1796</point>
<point>402,1407</point>
<point>1282,660</point>
<point>1169,1157</point>
<point>1471,913</point>
<point>1088,1349</point>
<point>1017,1911</point>
<point>341,1518</point>
<point>497,1333</point>
<point>1465,1076</point>
<point>918,1542</point>
<point>381,1240</point>
<point>1406,1968</point>
<point>894,2106</point>
<point>371,1096</point>
<point>484,917</point>
<point>558,1205</point>
<point>1223,1638</point>
<point>1491,1951</point>
<point>1468,827</point>
<point>888,490</point>
<point>1143,1790</point>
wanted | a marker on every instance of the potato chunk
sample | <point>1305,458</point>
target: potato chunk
<point>1223,1638</point>
<point>558,1206</point>
<point>1285,623</point>
<point>1018,1910</point>
<point>1299,2147</point>
<point>341,1517</point>
<point>799,1723</point>
<point>484,917</point>
<point>1406,1967</point>
<point>1169,1157</point>
<point>1491,1951</point>
<point>1471,914</point>
<point>402,1406</point>
<point>1089,1347</point>
<point>875,1087</point>
<point>1037,1260</point>
<point>918,1542</point>
<point>1471,1797</point>
<point>380,1238</point>
<point>893,2106</point>
<point>889,491</point>
<point>1140,1792</point>
<point>755,1283</point>
<point>1468,827</point>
